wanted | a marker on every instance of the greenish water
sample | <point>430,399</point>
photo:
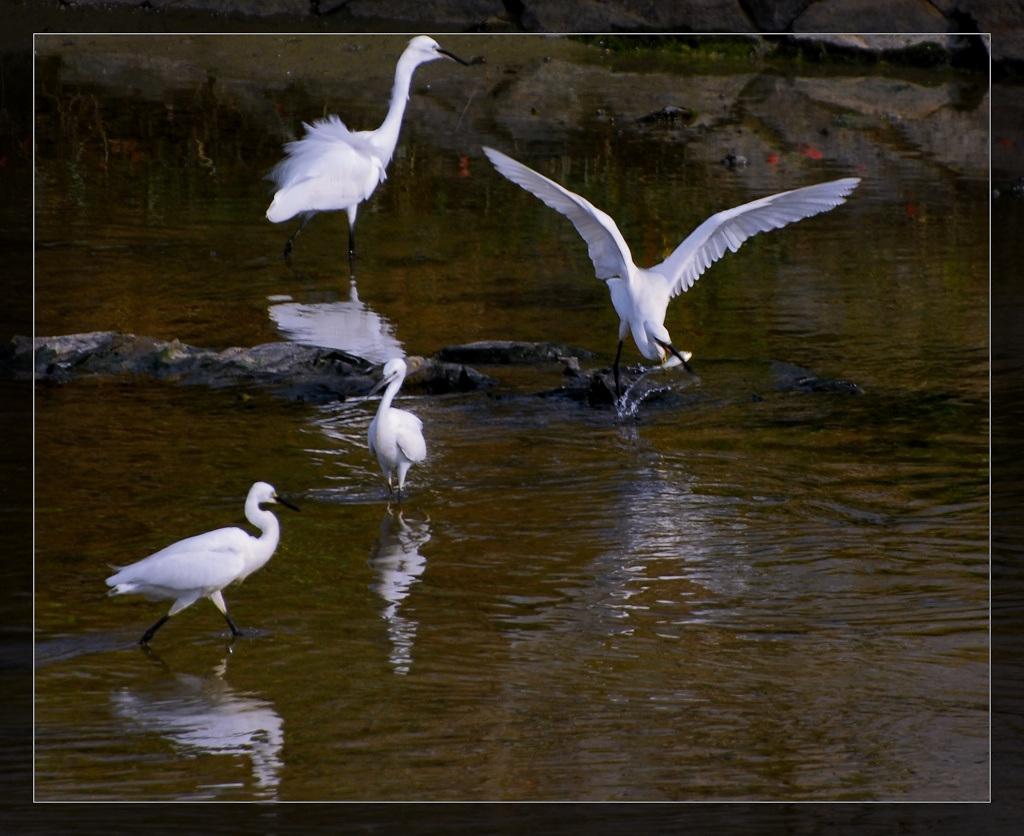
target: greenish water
<point>743,592</point>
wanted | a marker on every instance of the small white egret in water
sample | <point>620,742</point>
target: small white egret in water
<point>201,566</point>
<point>395,436</point>
<point>641,296</point>
<point>333,168</point>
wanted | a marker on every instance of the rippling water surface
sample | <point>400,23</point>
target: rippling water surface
<point>742,591</point>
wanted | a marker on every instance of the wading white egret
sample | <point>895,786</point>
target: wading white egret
<point>395,436</point>
<point>333,168</point>
<point>201,566</point>
<point>641,296</point>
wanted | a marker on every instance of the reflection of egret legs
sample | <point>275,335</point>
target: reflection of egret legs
<point>152,654</point>
<point>346,324</point>
<point>204,715</point>
<point>398,564</point>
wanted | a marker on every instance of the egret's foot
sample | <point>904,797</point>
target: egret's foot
<point>148,635</point>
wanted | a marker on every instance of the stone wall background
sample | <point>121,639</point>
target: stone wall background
<point>933,21</point>
<point>923,32</point>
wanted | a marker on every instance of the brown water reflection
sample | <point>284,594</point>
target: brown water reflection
<point>743,592</point>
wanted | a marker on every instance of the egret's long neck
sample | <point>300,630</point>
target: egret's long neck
<point>389,395</point>
<point>386,136</point>
<point>267,523</point>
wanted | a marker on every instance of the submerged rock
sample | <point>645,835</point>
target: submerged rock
<point>826,384</point>
<point>597,387</point>
<point>790,378</point>
<point>642,384</point>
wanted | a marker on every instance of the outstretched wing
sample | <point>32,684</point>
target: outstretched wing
<point>605,244</point>
<point>729,229</point>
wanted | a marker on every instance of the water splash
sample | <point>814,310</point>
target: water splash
<point>640,390</point>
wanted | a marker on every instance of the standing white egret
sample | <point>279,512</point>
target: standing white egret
<point>395,436</point>
<point>641,296</point>
<point>333,168</point>
<point>201,566</point>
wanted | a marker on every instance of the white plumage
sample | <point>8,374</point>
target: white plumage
<point>395,436</point>
<point>641,296</point>
<point>333,168</point>
<point>201,566</point>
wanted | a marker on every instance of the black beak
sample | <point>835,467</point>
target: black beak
<point>286,503</point>
<point>380,385</point>
<point>675,351</point>
<point>455,57</point>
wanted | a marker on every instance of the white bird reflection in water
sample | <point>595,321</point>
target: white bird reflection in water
<point>398,563</point>
<point>204,715</point>
<point>348,325</point>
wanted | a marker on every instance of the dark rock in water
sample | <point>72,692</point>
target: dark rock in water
<point>597,388</point>
<point>307,373</point>
<point>510,352</point>
<point>290,370</point>
<point>439,377</point>
<point>600,389</point>
<point>642,384</point>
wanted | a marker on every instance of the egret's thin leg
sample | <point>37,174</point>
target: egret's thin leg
<point>220,604</point>
<point>152,630</point>
<point>288,244</point>
<point>352,252</point>
<point>352,212</point>
<point>234,630</point>
<point>615,371</point>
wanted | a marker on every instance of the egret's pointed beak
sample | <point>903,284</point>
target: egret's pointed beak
<point>675,357</point>
<point>454,57</point>
<point>384,382</point>
<point>285,503</point>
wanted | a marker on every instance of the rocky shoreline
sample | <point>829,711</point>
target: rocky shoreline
<point>937,25</point>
